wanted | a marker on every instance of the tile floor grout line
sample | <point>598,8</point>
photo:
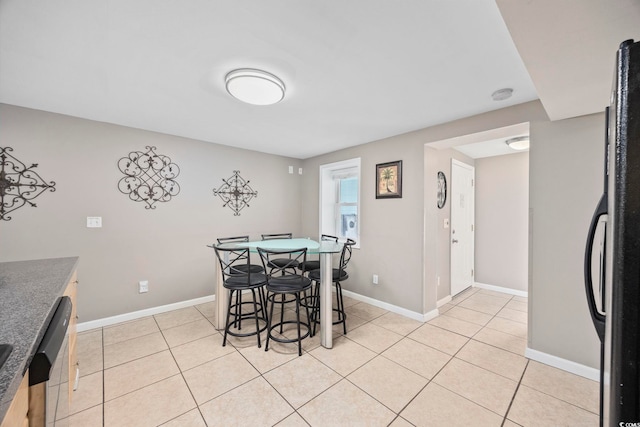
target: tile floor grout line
<point>515,393</point>
<point>480,367</point>
<point>486,326</point>
<point>181,372</point>
<point>344,377</point>
<point>556,397</point>
<point>132,338</point>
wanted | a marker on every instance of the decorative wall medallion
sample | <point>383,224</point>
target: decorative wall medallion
<point>19,184</point>
<point>149,177</point>
<point>235,192</point>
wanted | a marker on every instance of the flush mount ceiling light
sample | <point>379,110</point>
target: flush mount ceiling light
<point>518,143</point>
<point>502,94</point>
<point>255,87</point>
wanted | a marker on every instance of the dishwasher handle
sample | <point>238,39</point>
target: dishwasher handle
<point>52,341</point>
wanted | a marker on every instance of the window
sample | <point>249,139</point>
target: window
<point>340,199</point>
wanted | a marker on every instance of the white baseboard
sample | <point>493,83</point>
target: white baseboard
<point>108,321</point>
<point>392,308</point>
<point>443,301</point>
<point>430,315</point>
<point>504,290</point>
<point>564,364</point>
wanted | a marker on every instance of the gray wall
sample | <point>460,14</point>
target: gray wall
<point>390,229</point>
<point>502,221</point>
<point>566,162</point>
<point>398,235</point>
<point>166,245</point>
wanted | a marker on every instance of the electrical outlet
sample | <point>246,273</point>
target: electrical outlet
<point>94,221</point>
<point>291,169</point>
<point>299,171</point>
<point>143,286</point>
<point>375,279</point>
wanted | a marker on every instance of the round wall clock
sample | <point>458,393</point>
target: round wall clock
<point>442,190</point>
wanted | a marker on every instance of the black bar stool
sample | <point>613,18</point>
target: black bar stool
<point>237,278</point>
<point>338,275</point>
<point>280,282</point>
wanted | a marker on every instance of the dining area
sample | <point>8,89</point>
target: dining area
<point>256,280</point>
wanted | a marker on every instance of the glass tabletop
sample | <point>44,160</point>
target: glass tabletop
<point>312,246</point>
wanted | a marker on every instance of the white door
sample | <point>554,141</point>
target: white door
<point>462,224</point>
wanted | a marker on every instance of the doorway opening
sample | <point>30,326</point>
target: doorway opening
<point>499,226</point>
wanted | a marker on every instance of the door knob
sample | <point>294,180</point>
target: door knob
<point>454,241</point>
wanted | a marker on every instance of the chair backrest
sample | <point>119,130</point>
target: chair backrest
<point>237,239</point>
<point>329,238</point>
<point>277,236</point>
<point>293,257</point>
<point>231,260</point>
<point>345,256</point>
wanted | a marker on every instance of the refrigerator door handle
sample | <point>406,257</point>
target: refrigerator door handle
<point>597,317</point>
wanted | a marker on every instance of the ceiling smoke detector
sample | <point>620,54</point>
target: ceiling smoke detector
<point>502,94</point>
<point>519,143</point>
<point>255,87</point>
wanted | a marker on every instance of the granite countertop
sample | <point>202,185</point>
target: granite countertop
<point>28,292</point>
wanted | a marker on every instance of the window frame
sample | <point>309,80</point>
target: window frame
<point>329,203</point>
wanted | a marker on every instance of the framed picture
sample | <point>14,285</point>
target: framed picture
<point>389,180</point>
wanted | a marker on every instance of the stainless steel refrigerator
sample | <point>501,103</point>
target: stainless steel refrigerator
<point>612,256</point>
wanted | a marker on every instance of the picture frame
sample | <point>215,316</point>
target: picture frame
<point>389,180</point>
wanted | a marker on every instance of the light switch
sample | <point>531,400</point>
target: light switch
<point>290,169</point>
<point>446,223</point>
<point>94,222</point>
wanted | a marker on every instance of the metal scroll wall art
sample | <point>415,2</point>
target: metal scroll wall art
<point>235,192</point>
<point>19,184</point>
<point>149,177</point>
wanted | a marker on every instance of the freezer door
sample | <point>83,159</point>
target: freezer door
<point>622,284</point>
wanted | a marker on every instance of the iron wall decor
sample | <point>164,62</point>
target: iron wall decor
<point>19,184</point>
<point>235,192</point>
<point>149,177</point>
<point>389,180</point>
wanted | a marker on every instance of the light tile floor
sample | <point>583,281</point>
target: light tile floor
<point>465,367</point>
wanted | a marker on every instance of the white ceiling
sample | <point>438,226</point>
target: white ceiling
<point>569,48</point>
<point>355,71</point>
<point>489,148</point>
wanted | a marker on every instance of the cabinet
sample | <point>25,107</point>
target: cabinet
<point>17,414</point>
<point>72,333</point>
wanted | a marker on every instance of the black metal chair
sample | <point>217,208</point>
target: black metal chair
<point>281,282</point>
<point>277,263</point>
<point>338,275</point>
<point>314,264</point>
<point>237,277</point>
<point>254,268</point>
